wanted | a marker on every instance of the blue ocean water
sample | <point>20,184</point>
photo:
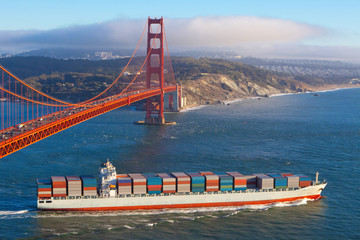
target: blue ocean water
<point>293,133</point>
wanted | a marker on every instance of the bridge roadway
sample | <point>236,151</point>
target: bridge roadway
<point>20,136</point>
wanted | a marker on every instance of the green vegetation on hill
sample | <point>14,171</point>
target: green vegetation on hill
<point>191,69</point>
<point>80,79</point>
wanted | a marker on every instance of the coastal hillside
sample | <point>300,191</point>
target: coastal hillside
<point>204,80</point>
<point>216,88</point>
<point>211,81</point>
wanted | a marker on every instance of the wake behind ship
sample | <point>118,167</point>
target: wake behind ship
<point>171,190</point>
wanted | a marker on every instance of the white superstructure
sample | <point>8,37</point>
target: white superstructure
<point>107,183</point>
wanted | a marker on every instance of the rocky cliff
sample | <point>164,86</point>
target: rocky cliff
<point>216,88</point>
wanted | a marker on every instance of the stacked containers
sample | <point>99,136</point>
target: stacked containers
<point>279,180</point>
<point>197,182</point>
<point>44,187</point>
<point>239,181</point>
<point>264,181</point>
<point>73,186</point>
<point>250,181</point>
<point>139,183</point>
<point>89,185</point>
<point>226,182</point>
<point>124,184</point>
<point>293,181</point>
<point>182,182</point>
<point>58,186</point>
<point>154,183</point>
<point>304,181</point>
<point>169,183</point>
<point>211,181</point>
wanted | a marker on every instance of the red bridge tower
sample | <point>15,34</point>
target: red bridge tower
<point>155,74</point>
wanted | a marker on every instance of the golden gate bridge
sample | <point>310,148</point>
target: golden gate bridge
<point>29,115</point>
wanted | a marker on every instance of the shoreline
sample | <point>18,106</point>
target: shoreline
<point>315,89</point>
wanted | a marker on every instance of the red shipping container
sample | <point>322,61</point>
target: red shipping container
<point>169,191</point>
<point>212,190</point>
<point>212,181</point>
<point>121,175</point>
<point>305,183</point>
<point>153,187</point>
<point>89,188</point>
<point>286,174</point>
<point>44,189</point>
<point>169,183</point>
<point>203,173</point>
<point>183,182</point>
<point>44,195</point>
<point>139,183</point>
<point>240,181</point>
<point>212,184</point>
<point>124,184</point>
<point>59,195</point>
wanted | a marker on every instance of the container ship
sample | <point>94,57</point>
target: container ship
<point>171,190</point>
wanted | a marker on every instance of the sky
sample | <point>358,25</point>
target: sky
<point>313,29</point>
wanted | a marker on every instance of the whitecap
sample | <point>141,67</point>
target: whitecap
<point>5,213</point>
<point>128,227</point>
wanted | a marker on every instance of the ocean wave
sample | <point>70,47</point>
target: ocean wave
<point>15,214</point>
<point>334,89</point>
<point>4,213</point>
<point>281,94</point>
<point>193,108</point>
<point>151,224</point>
<point>128,227</point>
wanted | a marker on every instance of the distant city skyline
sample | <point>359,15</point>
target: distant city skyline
<point>279,29</point>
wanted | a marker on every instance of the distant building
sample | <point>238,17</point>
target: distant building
<point>104,55</point>
<point>355,81</point>
<point>5,55</point>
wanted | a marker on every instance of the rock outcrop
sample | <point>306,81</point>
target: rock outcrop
<point>216,88</point>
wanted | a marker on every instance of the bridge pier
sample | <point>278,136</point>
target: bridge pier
<point>155,73</point>
<point>172,100</point>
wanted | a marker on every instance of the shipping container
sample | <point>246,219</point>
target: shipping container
<point>286,174</point>
<point>59,186</point>
<point>305,183</point>
<point>264,181</point>
<point>74,185</point>
<point>44,187</point>
<point>89,185</point>
<point>293,181</point>
<point>169,183</point>
<point>124,184</point>
<point>203,173</point>
<point>240,181</point>
<point>211,182</point>
<point>197,182</point>
<point>154,183</point>
<point>182,182</point>
<point>279,180</point>
<point>226,181</point>
<point>139,183</point>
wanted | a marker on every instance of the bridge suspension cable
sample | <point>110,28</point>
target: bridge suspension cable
<point>122,72</point>
<point>29,115</point>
